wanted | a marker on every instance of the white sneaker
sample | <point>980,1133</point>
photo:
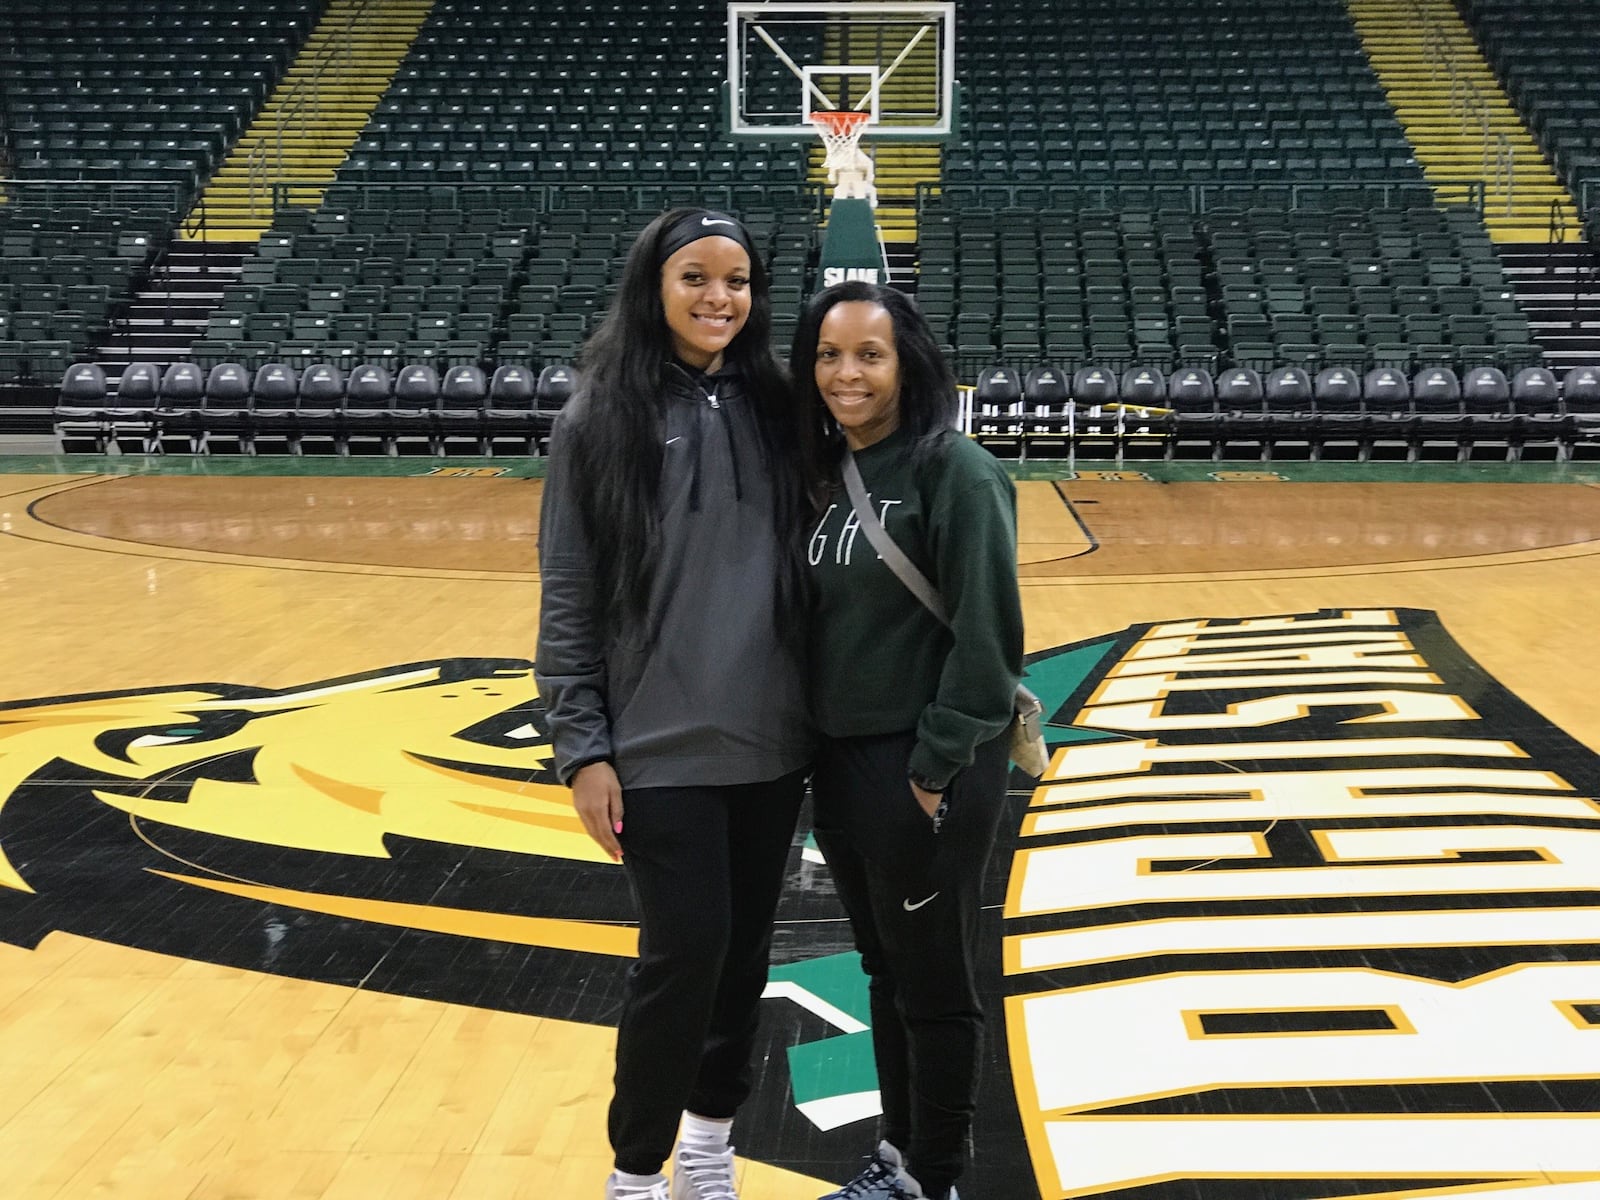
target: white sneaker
<point>624,1191</point>
<point>703,1173</point>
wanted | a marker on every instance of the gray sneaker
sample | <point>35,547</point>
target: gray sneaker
<point>617,1191</point>
<point>699,1173</point>
<point>883,1178</point>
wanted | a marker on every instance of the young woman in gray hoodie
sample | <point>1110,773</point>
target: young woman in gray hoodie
<point>670,635</point>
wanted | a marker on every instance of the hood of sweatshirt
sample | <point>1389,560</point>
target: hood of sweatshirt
<point>706,397</point>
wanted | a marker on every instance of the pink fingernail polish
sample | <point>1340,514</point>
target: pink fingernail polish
<point>617,828</point>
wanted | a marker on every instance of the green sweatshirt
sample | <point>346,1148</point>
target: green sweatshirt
<point>880,661</point>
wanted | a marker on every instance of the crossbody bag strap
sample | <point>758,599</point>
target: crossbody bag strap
<point>894,557</point>
<point>1025,704</point>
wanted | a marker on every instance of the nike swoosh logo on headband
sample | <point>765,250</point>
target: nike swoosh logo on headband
<point>714,221</point>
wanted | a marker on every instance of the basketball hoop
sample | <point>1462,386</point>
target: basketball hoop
<point>840,130</point>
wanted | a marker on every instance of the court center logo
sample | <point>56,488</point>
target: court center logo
<point>1305,906</point>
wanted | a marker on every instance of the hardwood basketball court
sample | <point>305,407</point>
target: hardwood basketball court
<point>291,908</point>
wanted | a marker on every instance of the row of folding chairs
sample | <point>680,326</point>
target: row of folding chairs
<point>1384,413</point>
<point>278,409</point>
<point>1579,388</point>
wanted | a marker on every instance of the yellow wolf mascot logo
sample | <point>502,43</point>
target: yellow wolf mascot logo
<point>320,830</point>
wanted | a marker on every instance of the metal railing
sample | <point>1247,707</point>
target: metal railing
<point>1498,158</point>
<point>1585,259</point>
<point>1505,168</point>
<point>7,158</point>
<point>1558,223</point>
<point>1196,197</point>
<point>196,223</point>
<point>548,197</point>
<point>164,194</point>
<point>1471,106</point>
<point>301,109</point>
<point>1204,196</point>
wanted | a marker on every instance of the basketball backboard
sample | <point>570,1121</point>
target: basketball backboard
<point>895,61</point>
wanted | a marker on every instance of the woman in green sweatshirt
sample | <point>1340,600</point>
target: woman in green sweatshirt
<point>910,777</point>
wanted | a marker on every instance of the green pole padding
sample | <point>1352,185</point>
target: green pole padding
<point>850,249</point>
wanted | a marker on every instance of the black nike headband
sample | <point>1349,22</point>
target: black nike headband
<point>701,223</point>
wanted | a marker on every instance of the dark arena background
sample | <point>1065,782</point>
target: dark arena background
<point>1285,318</point>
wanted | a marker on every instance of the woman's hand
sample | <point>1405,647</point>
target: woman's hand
<point>597,795</point>
<point>929,800</point>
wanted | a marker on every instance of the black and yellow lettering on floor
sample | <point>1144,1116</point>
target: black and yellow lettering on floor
<point>466,472</point>
<point>1317,905</point>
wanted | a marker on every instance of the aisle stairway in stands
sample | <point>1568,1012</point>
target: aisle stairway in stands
<point>1558,286</point>
<point>170,307</point>
<point>1454,112</point>
<point>318,111</point>
<point>898,167</point>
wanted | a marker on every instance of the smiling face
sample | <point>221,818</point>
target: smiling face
<point>705,294</point>
<point>858,371</point>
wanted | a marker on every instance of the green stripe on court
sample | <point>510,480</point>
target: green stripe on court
<point>833,1077</point>
<point>1055,678</point>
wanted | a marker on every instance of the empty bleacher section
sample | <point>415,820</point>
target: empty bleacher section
<point>1147,92</point>
<point>306,128</point>
<point>115,115</point>
<point>1142,196</point>
<point>479,222</point>
<point>474,274</point>
<point>1543,53</point>
<point>113,93</point>
<point>64,271</point>
<point>501,92</point>
<point>1248,286</point>
<point>1401,286</point>
<point>1061,286</point>
<point>450,284</point>
<point>1221,217</point>
<point>1453,110</point>
<point>1110,305</point>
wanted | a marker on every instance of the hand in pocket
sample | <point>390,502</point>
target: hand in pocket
<point>929,801</point>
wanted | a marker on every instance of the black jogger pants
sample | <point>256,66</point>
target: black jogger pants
<point>913,899</point>
<point>706,865</point>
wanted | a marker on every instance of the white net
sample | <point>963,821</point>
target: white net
<point>841,130</point>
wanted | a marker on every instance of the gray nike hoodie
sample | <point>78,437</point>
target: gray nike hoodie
<point>716,695</point>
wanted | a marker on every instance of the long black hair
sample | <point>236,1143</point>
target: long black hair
<point>613,429</point>
<point>928,401</point>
